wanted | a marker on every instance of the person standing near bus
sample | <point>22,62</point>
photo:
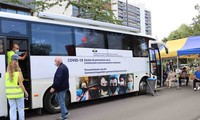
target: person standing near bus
<point>15,50</point>
<point>60,86</point>
<point>15,89</point>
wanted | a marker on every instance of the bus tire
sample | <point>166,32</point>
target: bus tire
<point>50,104</point>
<point>143,87</point>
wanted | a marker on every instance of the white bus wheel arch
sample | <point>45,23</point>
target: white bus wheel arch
<point>143,85</point>
<point>50,104</point>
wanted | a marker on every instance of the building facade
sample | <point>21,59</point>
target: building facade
<point>136,16</point>
<point>16,8</point>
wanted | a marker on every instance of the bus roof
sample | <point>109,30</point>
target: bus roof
<point>76,22</point>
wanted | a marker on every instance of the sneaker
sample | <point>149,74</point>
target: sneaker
<point>65,117</point>
<point>198,88</point>
<point>61,118</point>
<point>195,89</point>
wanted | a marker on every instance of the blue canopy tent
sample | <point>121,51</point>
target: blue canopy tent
<point>191,47</point>
<point>183,48</point>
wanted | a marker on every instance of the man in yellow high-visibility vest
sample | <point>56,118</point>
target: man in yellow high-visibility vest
<point>15,50</point>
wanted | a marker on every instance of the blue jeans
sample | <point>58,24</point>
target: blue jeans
<point>16,105</point>
<point>60,98</point>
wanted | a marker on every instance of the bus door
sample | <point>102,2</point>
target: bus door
<point>155,65</point>
<point>24,64</point>
<point>3,99</point>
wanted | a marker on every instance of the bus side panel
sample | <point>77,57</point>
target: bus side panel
<point>40,86</point>
<point>141,68</point>
<point>42,73</point>
<point>43,70</point>
<point>3,99</point>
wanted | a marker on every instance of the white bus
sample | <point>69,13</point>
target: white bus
<point>103,59</point>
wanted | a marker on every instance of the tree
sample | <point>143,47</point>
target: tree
<point>93,9</point>
<point>185,30</point>
<point>165,39</point>
<point>196,22</point>
<point>182,32</point>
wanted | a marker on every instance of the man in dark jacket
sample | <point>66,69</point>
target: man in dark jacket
<point>60,86</point>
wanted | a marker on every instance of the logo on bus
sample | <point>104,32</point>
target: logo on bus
<point>94,50</point>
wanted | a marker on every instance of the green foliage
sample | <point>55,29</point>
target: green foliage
<point>196,22</point>
<point>165,39</point>
<point>93,9</point>
<point>186,30</point>
<point>182,32</point>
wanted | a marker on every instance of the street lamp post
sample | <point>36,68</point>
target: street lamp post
<point>127,11</point>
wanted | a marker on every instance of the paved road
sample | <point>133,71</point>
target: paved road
<point>170,104</point>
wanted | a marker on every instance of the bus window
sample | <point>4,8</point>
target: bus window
<point>128,43</point>
<point>140,47</point>
<point>89,38</point>
<point>50,39</point>
<point>115,40</point>
<point>14,28</point>
<point>119,41</point>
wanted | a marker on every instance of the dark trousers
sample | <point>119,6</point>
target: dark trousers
<point>180,78</point>
<point>194,82</point>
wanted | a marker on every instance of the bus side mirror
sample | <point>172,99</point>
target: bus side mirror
<point>166,50</point>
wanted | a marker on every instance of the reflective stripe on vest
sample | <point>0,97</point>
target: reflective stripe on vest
<point>9,56</point>
<point>12,88</point>
<point>14,93</point>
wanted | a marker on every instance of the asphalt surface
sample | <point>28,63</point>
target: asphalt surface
<point>168,104</point>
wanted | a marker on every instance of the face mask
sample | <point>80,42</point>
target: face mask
<point>121,83</point>
<point>130,85</point>
<point>104,93</point>
<point>93,94</point>
<point>55,64</point>
<point>113,89</point>
<point>16,51</point>
<point>104,88</point>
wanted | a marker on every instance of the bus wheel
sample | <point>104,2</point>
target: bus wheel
<point>50,103</point>
<point>143,87</point>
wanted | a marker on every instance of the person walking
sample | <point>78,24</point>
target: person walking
<point>15,90</point>
<point>60,86</point>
